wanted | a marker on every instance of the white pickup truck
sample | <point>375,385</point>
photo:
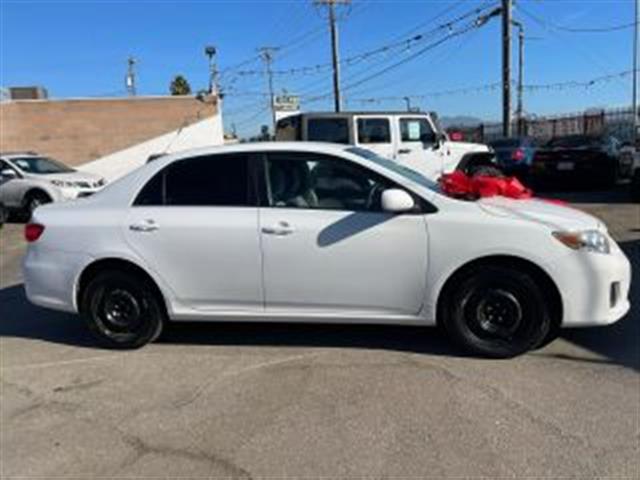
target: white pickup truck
<point>414,139</point>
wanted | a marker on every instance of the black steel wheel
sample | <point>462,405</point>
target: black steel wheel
<point>122,310</point>
<point>496,311</point>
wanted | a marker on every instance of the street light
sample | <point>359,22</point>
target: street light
<point>210,52</point>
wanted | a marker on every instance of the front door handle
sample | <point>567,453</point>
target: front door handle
<point>404,150</point>
<point>146,226</point>
<point>280,229</point>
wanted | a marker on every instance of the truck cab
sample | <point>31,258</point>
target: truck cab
<point>414,139</point>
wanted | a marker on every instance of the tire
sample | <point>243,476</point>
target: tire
<point>635,186</point>
<point>4,214</point>
<point>122,310</point>
<point>486,170</point>
<point>33,201</point>
<point>495,312</point>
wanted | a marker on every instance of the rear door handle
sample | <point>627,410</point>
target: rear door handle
<point>404,150</point>
<point>280,229</point>
<point>146,226</point>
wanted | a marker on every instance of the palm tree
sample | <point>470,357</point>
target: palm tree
<point>180,86</point>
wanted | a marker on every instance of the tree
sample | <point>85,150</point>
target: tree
<point>180,86</point>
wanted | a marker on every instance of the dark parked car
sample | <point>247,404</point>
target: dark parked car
<point>580,158</point>
<point>4,214</point>
<point>515,155</point>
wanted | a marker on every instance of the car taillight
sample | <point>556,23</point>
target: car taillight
<point>517,155</point>
<point>33,231</point>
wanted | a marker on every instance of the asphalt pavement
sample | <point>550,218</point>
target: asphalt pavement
<point>311,401</point>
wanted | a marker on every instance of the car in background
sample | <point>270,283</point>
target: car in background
<point>515,155</point>
<point>413,139</point>
<point>587,159</point>
<point>28,180</point>
<point>320,233</point>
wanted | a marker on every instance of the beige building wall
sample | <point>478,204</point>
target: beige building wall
<point>77,131</point>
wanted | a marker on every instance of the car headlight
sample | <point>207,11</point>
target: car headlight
<point>589,240</point>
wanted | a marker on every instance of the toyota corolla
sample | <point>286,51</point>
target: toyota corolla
<point>308,232</point>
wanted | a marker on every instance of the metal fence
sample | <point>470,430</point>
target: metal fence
<point>616,122</point>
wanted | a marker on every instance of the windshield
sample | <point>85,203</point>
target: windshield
<point>41,165</point>
<point>394,167</point>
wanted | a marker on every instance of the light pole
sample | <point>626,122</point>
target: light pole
<point>520,106</point>
<point>210,51</point>
<point>635,71</point>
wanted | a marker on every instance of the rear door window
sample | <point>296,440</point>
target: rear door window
<point>335,130</point>
<point>374,130</point>
<point>211,180</point>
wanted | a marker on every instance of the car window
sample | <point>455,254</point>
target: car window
<point>374,130</point>
<point>416,130</point>
<point>316,181</point>
<point>335,130</point>
<point>212,180</point>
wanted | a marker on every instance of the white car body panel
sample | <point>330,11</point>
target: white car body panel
<point>391,270</point>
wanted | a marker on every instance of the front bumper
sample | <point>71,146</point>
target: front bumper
<point>594,287</point>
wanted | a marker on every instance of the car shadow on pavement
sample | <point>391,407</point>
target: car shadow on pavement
<point>617,195</point>
<point>21,319</point>
<point>620,342</point>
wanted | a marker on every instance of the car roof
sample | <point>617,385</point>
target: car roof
<point>318,147</point>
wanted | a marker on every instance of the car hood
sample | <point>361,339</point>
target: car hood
<point>76,176</point>
<point>553,215</point>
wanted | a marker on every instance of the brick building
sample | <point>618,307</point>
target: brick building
<point>78,131</point>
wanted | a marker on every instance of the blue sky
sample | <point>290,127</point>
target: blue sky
<point>79,48</point>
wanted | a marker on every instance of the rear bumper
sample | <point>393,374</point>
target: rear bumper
<point>595,287</point>
<point>50,277</point>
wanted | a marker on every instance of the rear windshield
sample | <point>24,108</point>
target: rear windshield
<point>574,142</point>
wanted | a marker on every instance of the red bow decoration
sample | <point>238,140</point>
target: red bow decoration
<point>460,185</point>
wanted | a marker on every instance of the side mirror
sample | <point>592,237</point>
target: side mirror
<point>395,200</point>
<point>8,174</point>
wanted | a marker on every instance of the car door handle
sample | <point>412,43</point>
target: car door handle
<point>404,150</point>
<point>280,229</point>
<point>148,226</point>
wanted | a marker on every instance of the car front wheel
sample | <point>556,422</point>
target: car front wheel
<point>496,312</point>
<point>122,310</point>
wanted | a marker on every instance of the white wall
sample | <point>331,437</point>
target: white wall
<point>204,133</point>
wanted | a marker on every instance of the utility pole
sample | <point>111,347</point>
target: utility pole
<point>210,51</point>
<point>267,57</point>
<point>520,106</point>
<point>335,54</point>
<point>635,71</point>
<point>506,67</point>
<point>130,78</point>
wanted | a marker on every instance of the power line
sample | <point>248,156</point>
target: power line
<point>555,26</point>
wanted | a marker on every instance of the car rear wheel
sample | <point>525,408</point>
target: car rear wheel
<point>496,312</point>
<point>122,310</point>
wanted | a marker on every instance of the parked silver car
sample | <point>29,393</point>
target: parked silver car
<point>28,180</point>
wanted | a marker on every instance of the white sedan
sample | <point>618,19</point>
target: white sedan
<point>309,232</point>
